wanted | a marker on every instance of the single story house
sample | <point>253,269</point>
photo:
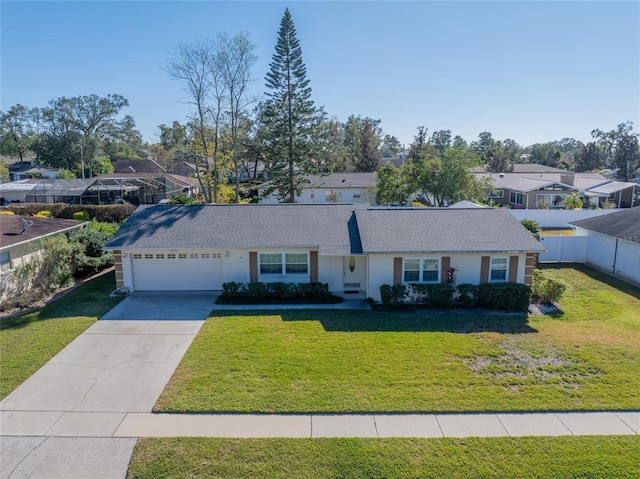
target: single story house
<point>333,188</point>
<point>549,190</point>
<point>24,170</point>
<point>21,238</point>
<point>613,243</point>
<point>353,248</point>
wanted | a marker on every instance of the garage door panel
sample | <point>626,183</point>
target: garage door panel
<point>177,271</point>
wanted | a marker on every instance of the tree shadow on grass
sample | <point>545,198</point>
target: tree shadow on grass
<point>459,322</point>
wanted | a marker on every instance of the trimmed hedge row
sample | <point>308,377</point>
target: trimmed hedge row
<point>276,293</point>
<point>502,296</point>
<point>102,213</point>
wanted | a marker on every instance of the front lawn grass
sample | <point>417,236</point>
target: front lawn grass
<point>540,457</point>
<point>27,342</point>
<point>586,357</point>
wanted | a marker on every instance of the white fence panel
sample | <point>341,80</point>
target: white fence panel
<point>557,218</point>
<point>564,248</point>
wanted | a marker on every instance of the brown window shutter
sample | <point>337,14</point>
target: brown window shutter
<point>484,270</point>
<point>253,267</point>
<point>513,269</point>
<point>313,266</point>
<point>397,271</point>
<point>444,273</point>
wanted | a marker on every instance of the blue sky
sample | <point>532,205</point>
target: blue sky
<point>530,71</point>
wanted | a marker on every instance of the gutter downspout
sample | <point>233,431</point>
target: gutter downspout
<point>615,257</point>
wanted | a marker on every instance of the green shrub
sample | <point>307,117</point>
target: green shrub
<point>256,291</point>
<point>281,290</point>
<point>274,293</point>
<point>314,291</point>
<point>504,296</point>
<point>433,295</point>
<point>81,216</point>
<point>546,290</point>
<point>231,290</point>
<point>393,295</point>
<point>468,295</point>
<point>181,199</point>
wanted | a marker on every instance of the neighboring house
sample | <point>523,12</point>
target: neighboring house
<point>466,204</point>
<point>350,247</point>
<point>21,171</point>
<point>21,238</point>
<point>549,190</point>
<point>613,243</point>
<point>333,188</point>
<point>525,168</point>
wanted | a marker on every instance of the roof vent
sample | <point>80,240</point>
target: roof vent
<point>501,175</point>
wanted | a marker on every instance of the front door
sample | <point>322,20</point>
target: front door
<point>354,273</point>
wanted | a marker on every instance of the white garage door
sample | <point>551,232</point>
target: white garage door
<point>177,271</point>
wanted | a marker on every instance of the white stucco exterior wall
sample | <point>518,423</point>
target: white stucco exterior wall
<point>467,264</point>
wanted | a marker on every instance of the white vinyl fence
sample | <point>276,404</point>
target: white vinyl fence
<point>564,248</point>
<point>557,218</point>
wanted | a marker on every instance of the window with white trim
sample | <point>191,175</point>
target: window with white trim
<point>498,270</point>
<point>421,270</point>
<point>516,198</point>
<point>283,264</point>
<point>497,194</point>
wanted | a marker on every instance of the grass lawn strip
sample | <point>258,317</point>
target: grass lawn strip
<point>587,357</point>
<point>541,457</point>
<point>27,342</point>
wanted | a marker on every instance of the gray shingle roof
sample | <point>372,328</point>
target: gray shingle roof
<point>623,224</point>
<point>434,230</point>
<point>333,229</point>
<point>325,227</point>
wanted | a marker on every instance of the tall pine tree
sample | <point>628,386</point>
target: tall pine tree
<point>289,114</point>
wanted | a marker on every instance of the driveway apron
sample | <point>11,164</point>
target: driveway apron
<point>60,421</point>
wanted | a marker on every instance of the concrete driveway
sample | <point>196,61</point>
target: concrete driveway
<point>165,305</point>
<point>60,422</point>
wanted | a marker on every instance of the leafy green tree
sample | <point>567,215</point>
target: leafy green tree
<point>289,114</point>
<point>483,146</point>
<point>329,152</point>
<point>420,145</point>
<point>16,131</point>
<point>501,156</point>
<point>62,174</point>
<point>448,180</point>
<point>441,140</point>
<point>4,171</point>
<point>362,139</point>
<point>627,156</point>
<point>101,166</point>
<point>173,137</point>
<point>459,142</point>
<point>590,158</point>
<point>391,185</point>
<point>391,146</point>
